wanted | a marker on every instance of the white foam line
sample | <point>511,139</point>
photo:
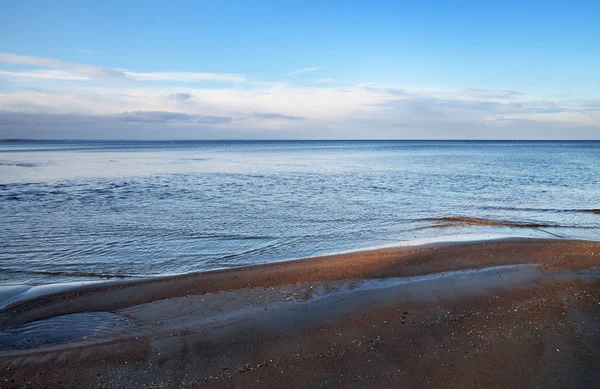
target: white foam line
<point>27,292</point>
<point>404,243</point>
<point>440,239</point>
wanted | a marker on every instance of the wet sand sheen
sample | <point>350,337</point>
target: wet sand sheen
<point>488,314</point>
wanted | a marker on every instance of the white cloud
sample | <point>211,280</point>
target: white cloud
<point>45,75</point>
<point>80,72</point>
<point>298,71</point>
<point>365,84</point>
<point>91,71</point>
<point>115,97</point>
<point>492,94</point>
<point>186,77</point>
<point>315,104</point>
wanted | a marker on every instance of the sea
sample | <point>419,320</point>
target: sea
<point>80,211</point>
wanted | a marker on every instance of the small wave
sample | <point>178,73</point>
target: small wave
<point>17,164</point>
<point>596,211</point>
<point>67,273</point>
<point>531,209</point>
<point>382,188</point>
<point>443,222</point>
<point>201,235</point>
<point>525,209</point>
<point>252,251</point>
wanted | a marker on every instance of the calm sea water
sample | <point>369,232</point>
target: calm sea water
<point>72,211</point>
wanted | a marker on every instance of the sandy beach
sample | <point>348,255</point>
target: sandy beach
<point>505,313</point>
<point>381,194</point>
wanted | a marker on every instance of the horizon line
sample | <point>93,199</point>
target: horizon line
<point>6,140</point>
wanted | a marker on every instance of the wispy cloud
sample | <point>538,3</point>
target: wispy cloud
<point>80,72</point>
<point>186,76</point>
<point>62,95</point>
<point>180,97</point>
<point>288,102</point>
<point>270,115</point>
<point>298,71</point>
<point>91,71</point>
<point>492,94</point>
<point>139,117</point>
<point>45,75</point>
<point>166,117</point>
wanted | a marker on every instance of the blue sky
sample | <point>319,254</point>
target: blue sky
<point>428,69</point>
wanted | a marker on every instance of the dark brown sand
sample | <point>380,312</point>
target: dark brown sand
<point>314,323</point>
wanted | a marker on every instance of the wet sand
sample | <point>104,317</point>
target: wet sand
<point>508,313</point>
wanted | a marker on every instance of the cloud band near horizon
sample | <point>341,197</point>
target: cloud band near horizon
<point>38,94</point>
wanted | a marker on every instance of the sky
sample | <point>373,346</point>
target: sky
<point>300,70</point>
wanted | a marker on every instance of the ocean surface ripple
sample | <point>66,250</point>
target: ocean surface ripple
<point>74,211</point>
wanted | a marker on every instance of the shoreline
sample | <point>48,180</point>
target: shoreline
<point>388,261</point>
<point>441,314</point>
<point>51,288</point>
